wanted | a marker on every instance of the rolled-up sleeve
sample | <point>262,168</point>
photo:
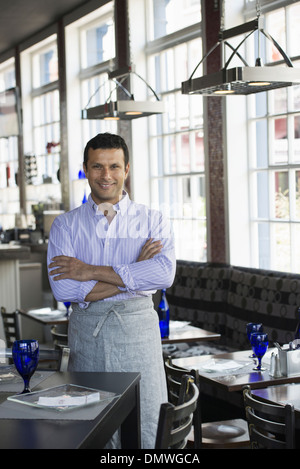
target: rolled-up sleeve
<point>155,273</point>
<point>152,274</point>
<point>60,244</point>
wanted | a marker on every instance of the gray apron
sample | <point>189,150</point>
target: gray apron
<point>122,336</point>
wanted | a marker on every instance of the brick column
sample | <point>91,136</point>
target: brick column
<point>213,108</point>
<point>123,60</point>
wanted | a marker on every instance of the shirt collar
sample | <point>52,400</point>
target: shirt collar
<point>121,206</point>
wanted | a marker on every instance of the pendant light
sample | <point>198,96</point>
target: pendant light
<point>127,109</point>
<point>243,80</point>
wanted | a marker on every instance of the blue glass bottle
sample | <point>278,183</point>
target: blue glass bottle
<point>84,200</point>
<point>81,174</point>
<point>164,315</point>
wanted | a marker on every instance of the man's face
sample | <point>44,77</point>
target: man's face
<point>106,174</point>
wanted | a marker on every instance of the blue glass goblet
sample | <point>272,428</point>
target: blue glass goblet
<point>259,342</point>
<point>253,327</point>
<point>67,305</point>
<point>25,355</point>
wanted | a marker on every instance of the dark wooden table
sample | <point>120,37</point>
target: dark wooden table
<point>189,334</point>
<point>282,394</point>
<point>46,318</point>
<point>234,381</point>
<point>73,434</point>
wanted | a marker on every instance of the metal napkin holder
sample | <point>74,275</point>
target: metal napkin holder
<point>289,361</point>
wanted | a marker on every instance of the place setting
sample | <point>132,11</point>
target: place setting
<point>222,367</point>
<point>66,401</point>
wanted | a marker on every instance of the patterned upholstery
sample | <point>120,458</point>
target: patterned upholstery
<point>224,298</point>
<point>199,294</point>
<point>269,297</point>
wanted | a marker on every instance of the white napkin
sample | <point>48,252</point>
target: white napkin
<point>40,311</point>
<point>178,324</point>
<point>222,365</point>
<point>47,312</point>
<point>67,401</point>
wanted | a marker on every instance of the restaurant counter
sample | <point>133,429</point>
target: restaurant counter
<point>10,256</point>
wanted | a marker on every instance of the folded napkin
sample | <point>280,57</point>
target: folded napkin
<point>46,312</point>
<point>177,326</point>
<point>221,365</point>
<point>68,401</point>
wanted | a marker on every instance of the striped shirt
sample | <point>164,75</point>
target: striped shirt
<point>85,233</point>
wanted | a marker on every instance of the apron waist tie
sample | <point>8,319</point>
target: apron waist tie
<point>103,319</point>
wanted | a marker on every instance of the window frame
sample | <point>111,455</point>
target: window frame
<point>183,225</point>
<point>270,252</point>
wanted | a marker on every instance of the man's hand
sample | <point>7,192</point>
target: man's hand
<point>69,267</point>
<point>149,250</point>
<point>102,290</point>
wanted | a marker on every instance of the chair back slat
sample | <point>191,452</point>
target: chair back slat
<point>174,376</point>
<point>57,358</point>
<point>271,426</point>
<point>60,339</point>
<point>175,421</point>
<point>11,326</point>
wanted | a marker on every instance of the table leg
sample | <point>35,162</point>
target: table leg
<point>131,427</point>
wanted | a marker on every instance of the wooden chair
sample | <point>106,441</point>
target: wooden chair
<point>11,326</point>
<point>175,421</point>
<point>49,359</point>
<point>60,338</point>
<point>270,426</point>
<point>58,358</point>
<point>209,435</point>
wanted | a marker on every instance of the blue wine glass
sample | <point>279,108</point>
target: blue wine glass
<point>25,355</point>
<point>253,327</point>
<point>67,305</point>
<point>259,342</point>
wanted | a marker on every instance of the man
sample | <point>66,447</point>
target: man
<point>108,257</point>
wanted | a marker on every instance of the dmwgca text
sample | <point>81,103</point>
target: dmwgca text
<point>166,458</point>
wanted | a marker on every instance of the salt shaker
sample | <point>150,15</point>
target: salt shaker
<point>272,364</point>
<point>277,371</point>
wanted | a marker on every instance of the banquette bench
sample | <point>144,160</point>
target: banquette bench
<point>224,298</point>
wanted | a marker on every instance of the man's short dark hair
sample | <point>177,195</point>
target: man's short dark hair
<point>106,141</point>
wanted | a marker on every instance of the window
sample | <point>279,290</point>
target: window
<point>97,41</point>
<point>97,53</point>
<point>45,66</point>
<point>41,123</point>
<point>169,16</point>
<point>45,115</point>
<point>8,146</point>
<point>9,194</point>
<point>274,157</point>
<point>176,137</point>
<point>46,136</point>
<point>91,39</point>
